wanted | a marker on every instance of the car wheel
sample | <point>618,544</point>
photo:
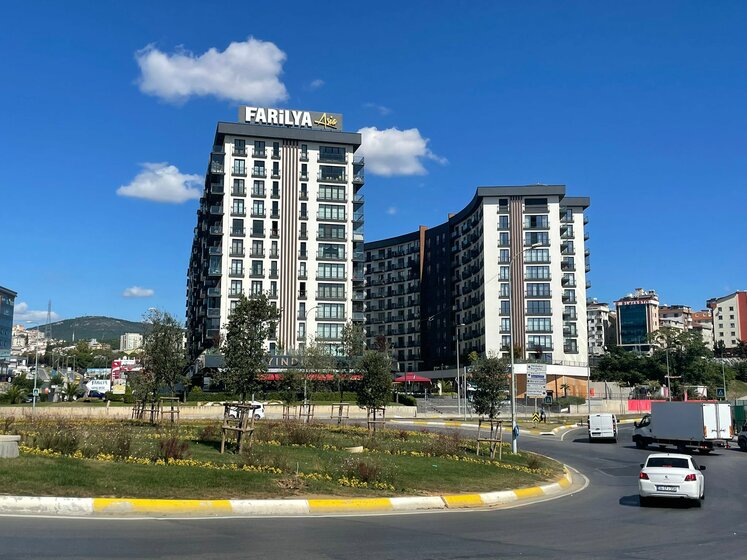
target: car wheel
<point>645,502</point>
<point>743,444</point>
<point>698,503</point>
<point>257,417</point>
<point>640,443</point>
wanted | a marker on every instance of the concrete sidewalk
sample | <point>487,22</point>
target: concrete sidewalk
<point>124,507</point>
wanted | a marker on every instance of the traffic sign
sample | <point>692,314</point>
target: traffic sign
<point>720,392</point>
<point>516,432</point>
<point>535,417</point>
<point>536,380</point>
<point>548,399</point>
<point>36,392</point>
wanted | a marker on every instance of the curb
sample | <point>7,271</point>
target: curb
<point>103,507</point>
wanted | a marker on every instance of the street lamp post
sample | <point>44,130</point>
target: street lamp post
<point>464,387</point>
<point>514,439</point>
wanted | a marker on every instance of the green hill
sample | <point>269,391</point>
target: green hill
<point>103,329</point>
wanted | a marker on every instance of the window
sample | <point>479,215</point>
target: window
<point>569,296</point>
<point>259,168</point>
<point>567,248</point>
<point>237,226</point>
<point>331,271</point>
<point>258,208</point>
<point>258,189</point>
<point>330,331</point>
<point>239,167</point>
<point>504,290</point>
<point>238,188</point>
<point>237,247</point>
<point>331,193</point>
<point>504,256</point>
<point>330,173</point>
<point>538,273</point>
<point>239,147</point>
<point>503,222</point>
<point>236,287</point>
<point>237,209</point>
<point>538,307</point>
<point>537,256</point>
<point>535,290</point>
<point>331,291</point>
<point>539,325</point>
<point>275,189</point>
<point>273,288</point>
<point>536,237</point>
<point>503,239</point>
<point>503,273</point>
<point>304,190</point>
<point>331,212</point>
<point>256,287</point>
<point>237,267</point>
<point>232,305</point>
<point>257,268</point>
<point>536,222</point>
<point>276,149</point>
<point>275,169</point>
<point>330,311</point>
<point>327,231</point>
<point>505,307</point>
<point>258,227</point>
<point>259,149</point>
<point>505,324</point>
<point>330,251</point>
<point>332,153</point>
<point>535,342</point>
<point>258,248</point>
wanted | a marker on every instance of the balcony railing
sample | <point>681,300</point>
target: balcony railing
<point>238,212</point>
<point>238,232</point>
<point>238,191</point>
<point>327,256</point>
<point>216,230</point>
<point>257,232</point>
<point>257,254</point>
<point>259,152</point>
<point>321,197</point>
<point>331,296</point>
<point>341,178</point>
<point>240,152</point>
<point>256,213</point>
<point>275,154</point>
<point>260,172</point>
<point>215,250</point>
<point>238,172</point>
<point>338,278</point>
<point>304,156</point>
<point>257,273</point>
<point>236,273</point>
<point>260,193</point>
<point>236,253</point>
<point>332,158</point>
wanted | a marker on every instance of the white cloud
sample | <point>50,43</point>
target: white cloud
<point>22,313</point>
<point>315,84</point>
<point>395,152</point>
<point>392,210</point>
<point>162,182</point>
<point>245,72</point>
<point>137,291</point>
<point>380,108</point>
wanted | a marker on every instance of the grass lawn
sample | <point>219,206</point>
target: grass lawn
<point>77,458</point>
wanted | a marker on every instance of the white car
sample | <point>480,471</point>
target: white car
<point>671,475</point>
<point>259,410</point>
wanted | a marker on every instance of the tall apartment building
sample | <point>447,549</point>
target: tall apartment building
<point>729,319</point>
<point>130,341</point>
<point>281,214</point>
<point>601,325</point>
<point>7,304</point>
<point>428,288</point>
<point>637,318</point>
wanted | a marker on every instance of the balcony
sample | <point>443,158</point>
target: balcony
<point>239,152</point>
<point>303,216</point>
<point>236,252</point>
<point>537,243</point>
<point>303,195</point>
<point>273,254</point>
<point>218,149</point>
<point>569,299</point>
<point>274,234</point>
<point>358,179</point>
<point>358,316</point>
<point>238,172</point>
<point>303,255</point>
<point>259,172</point>
<point>328,237</point>
<point>537,295</point>
<point>359,256</point>
<point>217,188</point>
<point>533,278</point>
<point>238,232</point>
<point>568,282</point>
<point>234,293</point>
<point>259,152</point>
<point>330,256</point>
<point>273,273</point>
<point>567,266</point>
<point>257,232</point>
<point>275,193</point>
<point>340,159</point>
<point>238,211</point>
<point>570,349</point>
<point>321,197</point>
<point>275,214</point>
<point>257,254</point>
<point>213,312</point>
<point>570,332</point>
<point>272,295</point>
<point>304,156</point>
<point>236,273</point>
<point>257,213</point>
<point>304,176</point>
<point>216,230</point>
<point>216,210</point>
<point>319,317</point>
<point>257,273</point>
<point>357,217</point>
<point>303,234</point>
<point>216,168</point>
<point>302,294</point>
<point>331,296</point>
<point>258,193</point>
<point>339,278</point>
<point>275,154</point>
<point>331,178</point>
<point>303,274</point>
<point>537,312</point>
<point>322,218</point>
<point>238,191</point>
<point>215,250</point>
<point>275,174</point>
<point>359,199</point>
<point>569,317</point>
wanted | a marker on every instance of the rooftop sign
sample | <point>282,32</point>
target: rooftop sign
<point>290,118</point>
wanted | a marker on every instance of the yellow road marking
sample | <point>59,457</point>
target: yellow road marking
<point>122,505</point>
<point>353,504</point>
<point>529,492</point>
<point>463,500</point>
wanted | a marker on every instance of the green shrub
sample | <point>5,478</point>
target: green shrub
<point>61,438</point>
<point>563,402</point>
<point>406,400</point>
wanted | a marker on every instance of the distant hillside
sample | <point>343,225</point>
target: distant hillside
<point>103,329</point>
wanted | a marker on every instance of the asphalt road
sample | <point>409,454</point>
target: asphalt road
<point>602,522</point>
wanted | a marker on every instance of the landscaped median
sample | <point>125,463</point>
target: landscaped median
<point>138,469</point>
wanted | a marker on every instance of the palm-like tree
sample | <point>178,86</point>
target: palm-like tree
<point>70,390</point>
<point>565,388</point>
<point>15,394</point>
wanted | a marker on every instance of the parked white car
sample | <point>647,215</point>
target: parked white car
<point>671,475</point>
<point>259,410</point>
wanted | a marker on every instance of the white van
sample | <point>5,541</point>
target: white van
<point>602,426</point>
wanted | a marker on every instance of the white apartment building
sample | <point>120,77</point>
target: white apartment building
<point>600,324</point>
<point>515,257</point>
<point>729,319</point>
<point>130,341</point>
<point>676,317</point>
<point>281,215</point>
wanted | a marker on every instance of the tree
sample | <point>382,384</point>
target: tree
<point>251,323</point>
<point>164,359</point>
<point>565,388</point>
<point>290,385</point>
<point>316,360</point>
<point>353,347</point>
<point>14,395</point>
<point>491,378</point>
<point>375,386</point>
<point>70,390</point>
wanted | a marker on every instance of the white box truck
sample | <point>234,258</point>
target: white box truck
<point>684,425</point>
<point>602,426</point>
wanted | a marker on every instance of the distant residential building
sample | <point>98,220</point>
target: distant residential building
<point>601,327</point>
<point>701,317</point>
<point>637,318</point>
<point>28,340</point>
<point>130,341</point>
<point>676,317</point>
<point>7,302</point>
<point>703,323</point>
<point>729,318</point>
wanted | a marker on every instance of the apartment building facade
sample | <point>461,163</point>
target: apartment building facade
<point>601,326</point>
<point>729,319</point>
<point>514,258</point>
<point>281,214</point>
<point>637,319</point>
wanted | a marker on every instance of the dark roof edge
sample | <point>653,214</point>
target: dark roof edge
<point>583,201</point>
<point>8,291</point>
<point>286,133</point>
<point>398,240</point>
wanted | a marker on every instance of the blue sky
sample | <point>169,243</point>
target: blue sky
<point>639,105</point>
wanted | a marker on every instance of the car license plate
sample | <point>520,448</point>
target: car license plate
<point>666,488</point>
